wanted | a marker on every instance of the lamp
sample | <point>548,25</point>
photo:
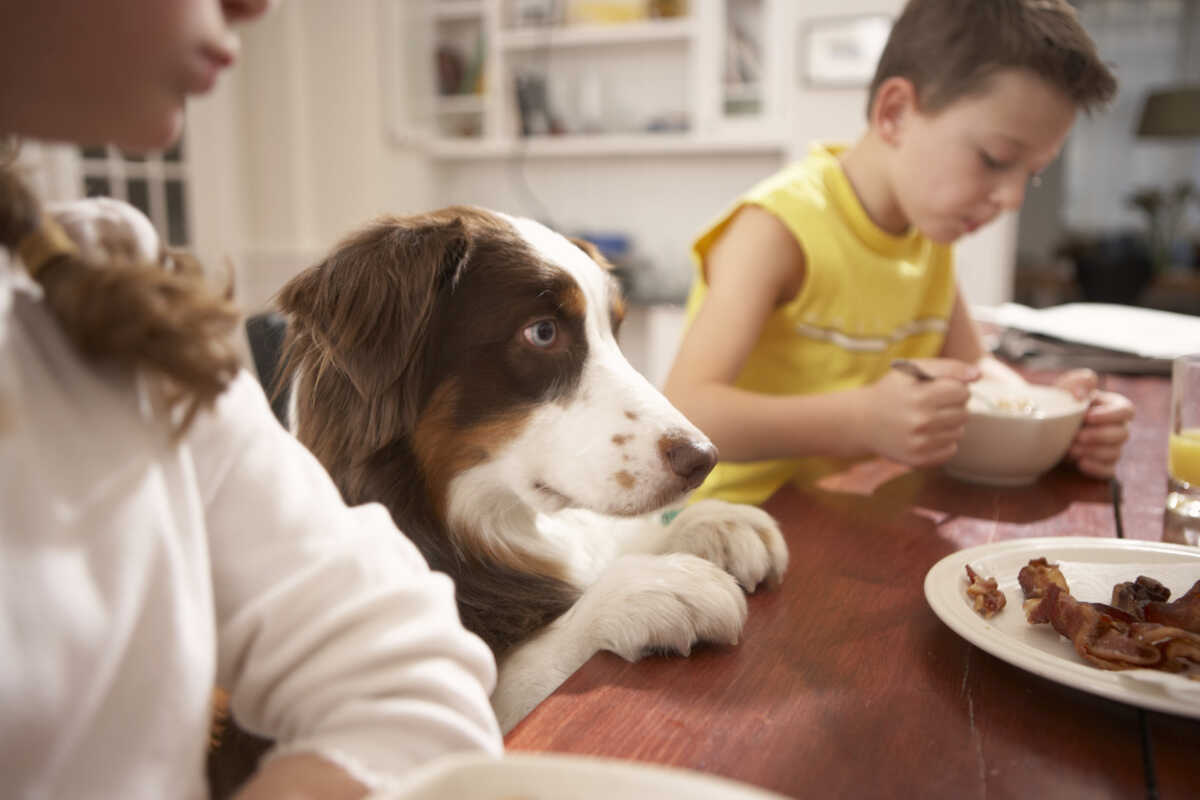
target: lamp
<point>1171,113</point>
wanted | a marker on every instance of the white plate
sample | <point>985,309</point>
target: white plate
<point>548,776</point>
<point>1091,567</point>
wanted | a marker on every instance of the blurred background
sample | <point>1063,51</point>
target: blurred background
<point>634,123</point>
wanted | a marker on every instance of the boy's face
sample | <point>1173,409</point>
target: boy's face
<point>956,170</point>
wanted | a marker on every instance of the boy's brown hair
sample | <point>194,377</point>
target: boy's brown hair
<point>951,48</point>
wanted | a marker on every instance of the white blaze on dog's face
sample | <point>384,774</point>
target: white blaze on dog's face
<point>557,415</point>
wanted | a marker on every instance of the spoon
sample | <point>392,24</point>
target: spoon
<point>913,369</point>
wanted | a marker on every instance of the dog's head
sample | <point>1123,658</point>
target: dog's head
<point>485,344</point>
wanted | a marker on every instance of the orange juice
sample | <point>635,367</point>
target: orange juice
<point>1183,456</point>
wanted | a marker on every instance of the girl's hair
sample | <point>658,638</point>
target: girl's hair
<point>137,315</point>
<point>951,48</point>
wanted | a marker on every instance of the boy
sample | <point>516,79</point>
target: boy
<point>821,275</point>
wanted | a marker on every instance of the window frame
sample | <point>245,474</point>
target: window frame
<point>158,170</point>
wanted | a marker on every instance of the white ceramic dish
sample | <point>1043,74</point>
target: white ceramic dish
<point>548,776</point>
<point>1003,447</point>
<point>1091,567</point>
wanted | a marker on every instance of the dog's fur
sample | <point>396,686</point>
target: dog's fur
<point>461,367</point>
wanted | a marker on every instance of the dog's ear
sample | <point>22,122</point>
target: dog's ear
<point>367,307</point>
<point>617,307</point>
<point>592,251</point>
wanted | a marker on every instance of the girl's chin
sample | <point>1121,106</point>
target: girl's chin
<point>157,133</point>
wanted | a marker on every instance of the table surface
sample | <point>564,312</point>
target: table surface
<point>846,684</point>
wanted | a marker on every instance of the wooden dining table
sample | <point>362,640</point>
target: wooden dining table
<point>846,684</point>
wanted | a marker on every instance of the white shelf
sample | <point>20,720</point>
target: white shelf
<point>456,9</point>
<point>660,66</point>
<point>459,104</point>
<point>558,36</point>
<point>602,145</point>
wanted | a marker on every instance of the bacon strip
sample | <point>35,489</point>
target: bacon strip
<point>1107,636</point>
<point>1035,577</point>
<point>1099,638</point>
<point>1183,613</point>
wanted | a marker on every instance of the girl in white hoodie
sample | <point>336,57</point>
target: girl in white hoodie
<point>160,533</point>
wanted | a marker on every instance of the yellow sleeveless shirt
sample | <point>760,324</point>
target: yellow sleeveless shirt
<point>868,297</point>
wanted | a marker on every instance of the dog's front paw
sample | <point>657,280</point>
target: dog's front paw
<point>743,540</point>
<point>661,603</point>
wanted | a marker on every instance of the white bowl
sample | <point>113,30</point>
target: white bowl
<point>1013,444</point>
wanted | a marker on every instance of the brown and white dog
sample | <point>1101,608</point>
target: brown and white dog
<point>461,368</point>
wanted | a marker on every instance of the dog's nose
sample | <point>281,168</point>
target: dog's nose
<point>690,459</point>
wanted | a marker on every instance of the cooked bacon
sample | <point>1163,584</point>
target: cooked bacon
<point>1109,636</point>
<point>1035,577</point>
<point>985,594</point>
<point>1183,613</point>
<point>1132,597</point>
<point>1099,638</point>
<point>1182,656</point>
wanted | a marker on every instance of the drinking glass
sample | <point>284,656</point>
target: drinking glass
<point>1181,518</point>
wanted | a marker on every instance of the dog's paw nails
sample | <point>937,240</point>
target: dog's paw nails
<point>743,540</point>
<point>663,603</point>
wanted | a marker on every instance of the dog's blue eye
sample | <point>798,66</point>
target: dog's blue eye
<point>542,333</point>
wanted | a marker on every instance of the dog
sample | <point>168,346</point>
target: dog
<point>461,368</point>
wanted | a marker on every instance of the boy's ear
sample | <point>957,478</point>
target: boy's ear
<point>895,100</point>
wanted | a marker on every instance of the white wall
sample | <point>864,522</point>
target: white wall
<point>317,159</point>
<point>218,189</point>
<point>312,136</point>
<point>664,201</point>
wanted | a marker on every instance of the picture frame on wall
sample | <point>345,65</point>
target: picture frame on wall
<point>841,52</point>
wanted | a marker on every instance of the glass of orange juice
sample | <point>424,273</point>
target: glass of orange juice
<point>1181,518</point>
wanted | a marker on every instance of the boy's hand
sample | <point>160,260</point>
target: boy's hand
<point>919,422</point>
<point>1105,428</point>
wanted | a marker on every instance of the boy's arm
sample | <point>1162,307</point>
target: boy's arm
<point>964,343</point>
<point>753,268</point>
